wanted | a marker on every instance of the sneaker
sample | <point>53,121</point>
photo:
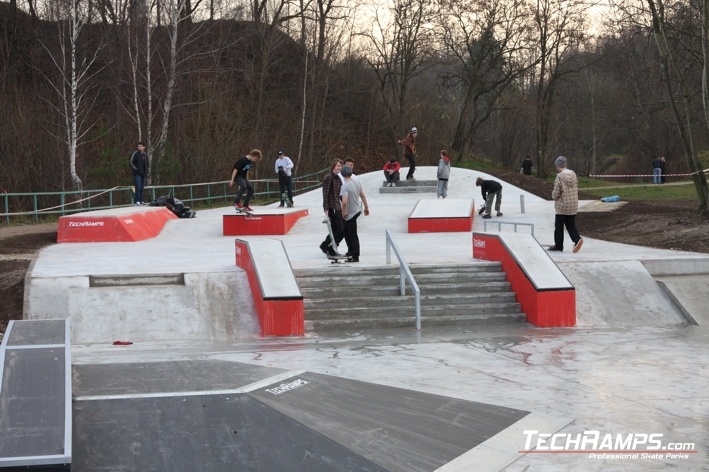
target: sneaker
<point>487,217</point>
<point>499,213</point>
<point>411,178</point>
<point>554,248</point>
<point>238,205</point>
<point>323,247</point>
<point>281,205</point>
<point>137,204</point>
<point>248,208</point>
<point>577,246</point>
<point>352,259</point>
<point>331,251</point>
<point>393,184</point>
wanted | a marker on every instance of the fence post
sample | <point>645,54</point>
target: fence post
<point>34,204</point>
<point>110,199</point>
<point>62,201</point>
<point>7,208</point>
<point>521,203</point>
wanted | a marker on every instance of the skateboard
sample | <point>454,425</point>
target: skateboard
<point>481,210</point>
<point>284,198</point>
<point>337,258</point>
<point>241,211</point>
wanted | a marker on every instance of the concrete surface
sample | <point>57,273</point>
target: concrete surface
<point>690,295</point>
<point>632,366</point>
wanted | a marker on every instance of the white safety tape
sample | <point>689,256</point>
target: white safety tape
<point>59,206</point>
<point>647,175</point>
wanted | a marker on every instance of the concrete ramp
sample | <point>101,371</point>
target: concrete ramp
<point>619,293</point>
<point>690,294</point>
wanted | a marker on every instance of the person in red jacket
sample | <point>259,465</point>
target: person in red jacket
<point>391,172</point>
<point>409,143</point>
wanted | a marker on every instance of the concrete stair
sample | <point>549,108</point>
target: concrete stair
<point>352,297</point>
<point>411,186</point>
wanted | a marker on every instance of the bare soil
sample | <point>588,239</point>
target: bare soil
<point>664,225</point>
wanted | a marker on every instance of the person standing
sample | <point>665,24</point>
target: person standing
<point>662,170</point>
<point>348,162</point>
<point>657,170</point>
<point>284,168</point>
<point>331,187</point>
<point>490,189</point>
<point>352,199</point>
<point>391,172</point>
<point>409,143</point>
<point>527,165</point>
<point>139,164</point>
<point>240,175</point>
<point>566,205</point>
<point>444,171</point>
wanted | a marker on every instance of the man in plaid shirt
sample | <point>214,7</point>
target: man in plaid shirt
<point>331,187</point>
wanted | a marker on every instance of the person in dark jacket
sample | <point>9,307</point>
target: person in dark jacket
<point>331,187</point>
<point>409,143</point>
<point>490,189</point>
<point>139,164</point>
<point>240,175</point>
<point>527,165</point>
<point>657,171</point>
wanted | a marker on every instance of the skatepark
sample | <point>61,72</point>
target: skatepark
<point>200,388</point>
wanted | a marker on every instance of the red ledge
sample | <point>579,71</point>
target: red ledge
<point>547,308</point>
<point>261,223</point>
<point>440,225</point>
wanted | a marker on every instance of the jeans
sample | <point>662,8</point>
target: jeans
<point>244,185</point>
<point>285,184</point>
<point>442,190</point>
<point>412,166</point>
<point>570,222</point>
<point>657,175</point>
<point>391,178</point>
<point>351,237</point>
<point>139,181</point>
<point>490,198</point>
<point>336,222</point>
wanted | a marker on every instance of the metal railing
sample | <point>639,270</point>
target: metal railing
<point>500,223</point>
<point>16,205</point>
<point>404,274</point>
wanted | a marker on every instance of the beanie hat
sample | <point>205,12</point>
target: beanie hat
<point>560,161</point>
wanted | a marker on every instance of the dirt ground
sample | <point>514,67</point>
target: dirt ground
<point>664,225</point>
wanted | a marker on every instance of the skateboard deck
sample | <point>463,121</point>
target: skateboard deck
<point>284,198</point>
<point>337,258</point>
<point>241,211</point>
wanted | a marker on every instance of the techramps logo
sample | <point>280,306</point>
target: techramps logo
<point>607,446</point>
<point>84,224</point>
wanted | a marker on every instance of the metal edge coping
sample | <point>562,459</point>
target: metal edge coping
<point>35,460</point>
<point>67,391</point>
<point>3,347</point>
<point>414,209</point>
<point>511,253</point>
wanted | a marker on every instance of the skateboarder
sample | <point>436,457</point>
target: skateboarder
<point>566,205</point>
<point>391,172</point>
<point>409,143</point>
<point>240,176</point>
<point>490,189</point>
<point>284,168</point>
<point>331,187</point>
<point>444,171</point>
<point>352,199</point>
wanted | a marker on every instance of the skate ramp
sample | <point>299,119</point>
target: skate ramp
<point>690,294</point>
<point>619,293</point>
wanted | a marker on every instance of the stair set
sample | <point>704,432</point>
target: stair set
<point>349,297</point>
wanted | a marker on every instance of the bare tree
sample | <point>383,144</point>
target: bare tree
<point>74,85</point>
<point>400,50</point>
<point>485,42</point>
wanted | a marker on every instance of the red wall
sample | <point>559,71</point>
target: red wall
<point>547,308</point>
<point>440,225</point>
<point>277,317</point>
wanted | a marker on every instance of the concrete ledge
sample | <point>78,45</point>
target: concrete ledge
<point>546,295</point>
<point>690,294</point>
<point>443,215</point>
<point>663,267</point>
<point>278,300</point>
<point>263,222</point>
<point>114,225</point>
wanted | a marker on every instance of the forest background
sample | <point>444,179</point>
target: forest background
<point>204,81</point>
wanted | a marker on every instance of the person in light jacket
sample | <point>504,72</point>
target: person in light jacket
<point>444,171</point>
<point>566,205</point>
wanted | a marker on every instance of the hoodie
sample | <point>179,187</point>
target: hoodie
<point>566,193</point>
<point>444,168</point>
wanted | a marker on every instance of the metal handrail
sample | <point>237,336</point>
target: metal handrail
<point>404,274</point>
<point>122,196</point>
<point>500,223</point>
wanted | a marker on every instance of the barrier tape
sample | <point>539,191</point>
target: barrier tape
<point>648,175</point>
